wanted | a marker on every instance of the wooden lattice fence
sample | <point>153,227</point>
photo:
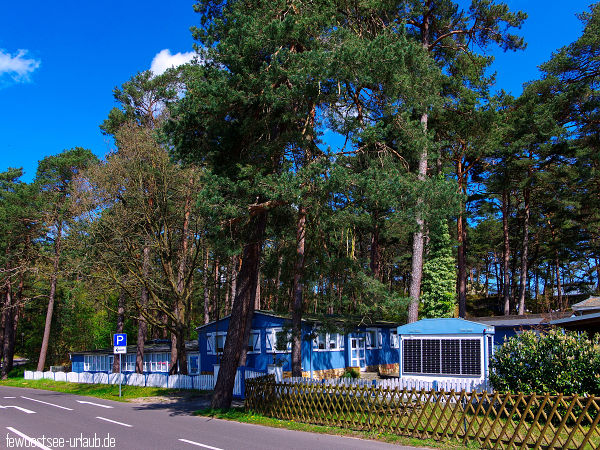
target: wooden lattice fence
<point>492,420</point>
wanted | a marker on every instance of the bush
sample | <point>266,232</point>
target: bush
<point>351,373</point>
<point>552,362</point>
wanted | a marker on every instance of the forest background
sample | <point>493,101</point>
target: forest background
<point>223,194</point>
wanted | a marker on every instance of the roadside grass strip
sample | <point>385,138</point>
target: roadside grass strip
<point>103,391</point>
<point>240,415</point>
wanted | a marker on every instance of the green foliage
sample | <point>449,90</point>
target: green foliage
<point>351,373</point>
<point>439,274</point>
<point>553,362</point>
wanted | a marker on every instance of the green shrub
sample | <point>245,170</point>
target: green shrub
<point>552,362</point>
<point>351,373</point>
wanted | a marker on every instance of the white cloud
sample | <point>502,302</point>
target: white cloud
<point>165,60</point>
<point>18,67</point>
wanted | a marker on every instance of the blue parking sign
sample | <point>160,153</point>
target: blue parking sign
<point>120,340</point>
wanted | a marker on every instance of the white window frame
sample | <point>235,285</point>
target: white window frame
<point>211,342</point>
<point>255,335</point>
<point>378,338</point>
<point>339,342</point>
<point>193,370</point>
<point>271,340</point>
<point>129,365</point>
<point>394,339</point>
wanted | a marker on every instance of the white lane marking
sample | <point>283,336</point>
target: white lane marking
<point>27,438</point>
<point>46,403</point>
<point>9,397</point>
<point>199,444</point>
<point>114,421</point>
<point>95,404</point>
<point>25,410</point>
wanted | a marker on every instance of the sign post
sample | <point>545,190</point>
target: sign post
<point>120,347</point>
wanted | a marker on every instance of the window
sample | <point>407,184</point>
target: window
<point>442,356</point>
<point>329,341</point>
<point>254,342</point>
<point>374,338</point>
<point>394,339</point>
<point>193,364</point>
<point>129,365</point>
<point>322,341</point>
<point>156,362</point>
<point>97,363</point>
<point>278,340</point>
<point>215,342</point>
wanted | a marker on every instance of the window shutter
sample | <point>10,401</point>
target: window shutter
<point>368,339</point>
<point>256,343</point>
<point>380,337</point>
<point>210,345</point>
<point>269,344</point>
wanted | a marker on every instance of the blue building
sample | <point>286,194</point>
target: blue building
<point>157,357</point>
<point>327,350</point>
<point>443,349</point>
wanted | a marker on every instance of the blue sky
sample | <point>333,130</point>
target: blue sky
<point>59,62</point>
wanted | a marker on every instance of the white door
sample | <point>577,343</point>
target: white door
<point>357,353</point>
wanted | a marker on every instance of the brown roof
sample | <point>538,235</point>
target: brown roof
<point>590,303</point>
<point>524,320</point>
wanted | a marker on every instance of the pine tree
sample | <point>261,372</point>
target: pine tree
<point>439,274</point>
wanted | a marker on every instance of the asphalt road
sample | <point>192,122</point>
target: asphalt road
<point>32,418</point>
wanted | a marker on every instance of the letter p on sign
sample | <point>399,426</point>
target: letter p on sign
<point>120,340</point>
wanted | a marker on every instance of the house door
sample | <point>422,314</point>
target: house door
<point>357,353</point>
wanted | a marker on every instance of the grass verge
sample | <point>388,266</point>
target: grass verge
<point>107,392</point>
<point>240,415</point>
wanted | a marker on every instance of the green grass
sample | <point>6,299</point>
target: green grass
<point>108,392</point>
<point>240,415</point>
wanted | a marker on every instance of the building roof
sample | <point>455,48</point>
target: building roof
<point>154,346</point>
<point>592,303</point>
<point>579,322</point>
<point>524,320</point>
<point>445,326</point>
<point>307,318</point>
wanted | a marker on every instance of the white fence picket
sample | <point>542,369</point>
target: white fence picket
<point>204,382</point>
<point>100,378</point>
<point>180,382</point>
<point>73,377</point>
<point>157,380</point>
<point>113,378</point>
<point>86,377</point>
<point>60,376</point>
<point>48,375</point>
<point>28,374</point>
<point>136,379</point>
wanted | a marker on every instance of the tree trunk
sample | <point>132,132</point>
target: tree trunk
<point>462,238</point>
<point>417,248</point>
<point>375,249</point>
<point>50,311</point>
<point>120,325</point>
<point>558,282</point>
<point>242,308</point>
<point>142,324</point>
<point>8,346</point>
<point>506,261</point>
<point>206,291</point>
<point>297,294</point>
<point>524,255</point>
<point>234,274</point>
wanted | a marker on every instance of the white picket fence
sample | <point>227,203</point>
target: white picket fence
<point>456,384</point>
<point>200,382</point>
